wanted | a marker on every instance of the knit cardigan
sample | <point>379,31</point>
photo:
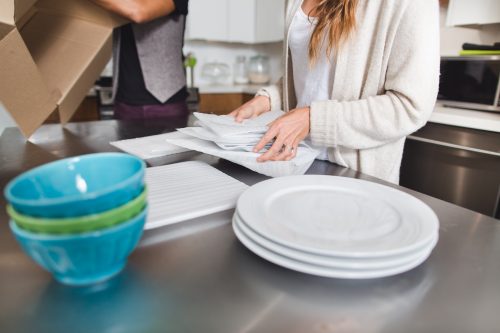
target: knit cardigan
<point>386,78</point>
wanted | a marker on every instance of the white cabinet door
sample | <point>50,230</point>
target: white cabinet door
<point>473,12</point>
<point>207,19</point>
<point>242,21</point>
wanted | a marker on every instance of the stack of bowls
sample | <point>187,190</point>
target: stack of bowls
<point>81,217</point>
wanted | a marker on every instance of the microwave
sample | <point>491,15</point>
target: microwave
<point>470,82</point>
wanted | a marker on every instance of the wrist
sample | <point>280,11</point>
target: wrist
<point>264,103</point>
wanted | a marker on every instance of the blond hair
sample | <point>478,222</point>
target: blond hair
<point>336,19</point>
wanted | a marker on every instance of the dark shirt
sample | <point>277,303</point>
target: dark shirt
<point>131,87</point>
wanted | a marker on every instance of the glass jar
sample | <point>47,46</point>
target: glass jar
<point>259,69</point>
<point>240,70</point>
<point>216,72</point>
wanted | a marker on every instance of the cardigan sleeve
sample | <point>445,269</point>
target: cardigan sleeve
<point>274,92</point>
<point>411,86</point>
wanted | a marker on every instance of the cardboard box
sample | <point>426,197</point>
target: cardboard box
<point>51,53</point>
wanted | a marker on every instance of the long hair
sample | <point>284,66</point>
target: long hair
<point>336,21</point>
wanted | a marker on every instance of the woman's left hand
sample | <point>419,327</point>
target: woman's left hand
<point>288,131</point>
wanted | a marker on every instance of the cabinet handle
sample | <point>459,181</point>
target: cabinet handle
<point>451,145</point>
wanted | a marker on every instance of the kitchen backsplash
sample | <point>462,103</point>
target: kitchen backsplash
<point>227,52</point>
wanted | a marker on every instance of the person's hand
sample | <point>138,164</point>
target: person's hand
<point>251,109</point>
<point>288,131</point>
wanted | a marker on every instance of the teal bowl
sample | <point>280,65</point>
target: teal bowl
<point>83,259</point>
<point>77,186</point>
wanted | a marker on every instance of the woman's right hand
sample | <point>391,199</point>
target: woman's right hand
<point>251,109</point>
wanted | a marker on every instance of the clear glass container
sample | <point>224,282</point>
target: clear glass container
<point>240,70</point>
<point>259,69</point>
<point>216,72</point>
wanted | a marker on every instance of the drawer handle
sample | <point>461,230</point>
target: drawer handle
<point>451,145</point>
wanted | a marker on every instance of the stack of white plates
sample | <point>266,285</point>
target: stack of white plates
<point>335,227</point>
<point>225,132</point>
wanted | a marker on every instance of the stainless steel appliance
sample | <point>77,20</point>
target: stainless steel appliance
<point>471,82</point>
<point>455,164</point>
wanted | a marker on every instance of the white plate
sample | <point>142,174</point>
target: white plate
<point>337,216</point>
<point>321,270</point>
<point>333,262</point>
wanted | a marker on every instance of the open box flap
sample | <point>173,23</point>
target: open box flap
<point>84,10</point>
<point>70,54</point>
<point>18,66</point>
<point>50,58</point>
<point>12,10</point>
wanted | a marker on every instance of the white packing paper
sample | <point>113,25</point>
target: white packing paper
<point>298,166</point>
<point>151,146</point>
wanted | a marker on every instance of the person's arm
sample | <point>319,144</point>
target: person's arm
<point>411,85</point>
<point>139,11</point>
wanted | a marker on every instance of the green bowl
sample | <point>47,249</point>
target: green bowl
<point>80,224</point>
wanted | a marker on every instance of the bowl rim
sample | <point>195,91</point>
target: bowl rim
<point>80,197</point>
<point>27,221</point>
<point>18,231</point>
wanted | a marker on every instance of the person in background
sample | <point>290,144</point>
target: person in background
<point>360,75</point>
<point>149,76</point>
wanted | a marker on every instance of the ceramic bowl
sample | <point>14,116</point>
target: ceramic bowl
<point>74,225</point>
<point>77,186</point>
<point>83,259</point>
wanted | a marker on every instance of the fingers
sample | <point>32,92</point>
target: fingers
<point>268,137</point>
<point>251,109</point>
<point>293,150</point>
<point>241,114</point>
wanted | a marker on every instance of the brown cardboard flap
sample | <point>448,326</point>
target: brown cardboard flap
<point>82,9</point>
<point>70,53</point>
<point>5,29</point>
<point>7,12</point>
<point>22,7</point>
<point>22,87</point>
<point>50,56</point>
<point>12,10</point>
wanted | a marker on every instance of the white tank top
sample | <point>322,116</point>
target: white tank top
<point>312,83</point>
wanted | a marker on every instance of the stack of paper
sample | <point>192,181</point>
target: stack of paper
<point>223,137</point>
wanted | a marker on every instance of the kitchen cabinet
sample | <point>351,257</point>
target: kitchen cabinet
<point>241,21</point>
<point>222,103</point>
<point>467,12</point>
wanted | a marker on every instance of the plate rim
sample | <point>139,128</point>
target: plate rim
<point>352,254</point>
<point>323,271</point>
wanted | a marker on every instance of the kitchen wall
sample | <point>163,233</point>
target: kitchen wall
<point>206,51</point>
<point>452,38</point>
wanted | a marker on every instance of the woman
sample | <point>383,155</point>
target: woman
<point>360,75</point>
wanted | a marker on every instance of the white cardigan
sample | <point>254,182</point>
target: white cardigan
<point>385,85</point>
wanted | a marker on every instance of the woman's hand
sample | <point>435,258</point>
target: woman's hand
<point>288,131</point>
<point>251,109</point>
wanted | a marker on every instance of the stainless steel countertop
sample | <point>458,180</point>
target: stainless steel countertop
<point>197,277</point>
